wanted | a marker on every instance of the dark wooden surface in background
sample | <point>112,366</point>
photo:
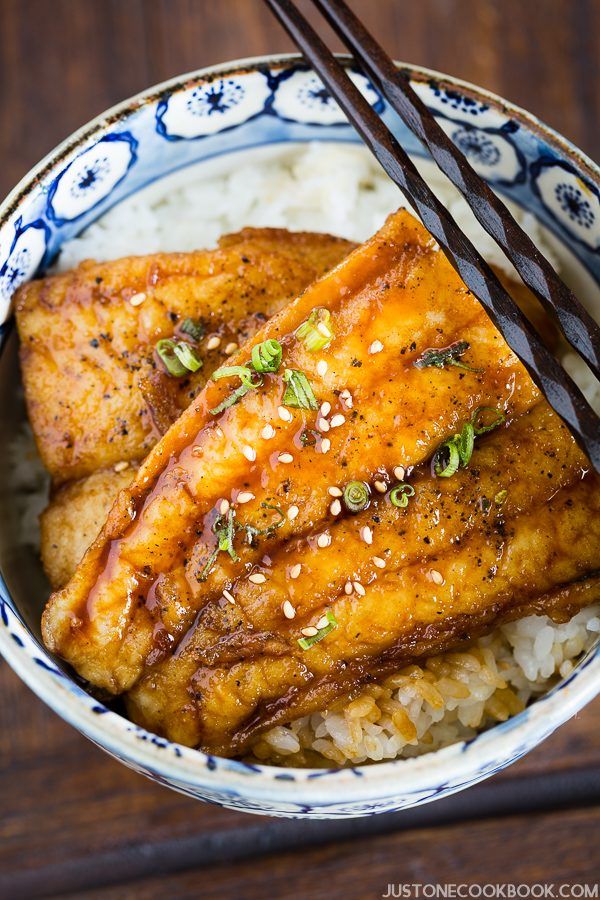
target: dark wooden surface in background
<point>71,819</point>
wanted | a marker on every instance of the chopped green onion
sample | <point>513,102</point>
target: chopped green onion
<point>243,372</point>
<point>446,459</point>
<point>193,327</point>
<point>233,398</point>
<point>178,358</point>
<point>316,332</point>
<point>187,357</point>
<point>482,429</point>
<point>444,356</point>
<point>500,497</point>
<point>465,441</point>
<point>356,496</point>
<point>248,384</point>
<point>458,450</point>
<point>225,532</point>
<point>252,531</point>
<point>266,356</point>
<point>298,392</point>
<point>307,642</point>
<point>400,494</point>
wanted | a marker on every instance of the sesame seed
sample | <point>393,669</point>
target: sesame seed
<point>284,414</point>
<point>335,508</point>
<point>285,458</point>
<point>322,424</point>
<point>231,348</point>
<point>337,421</point>
<point>295,570</point>
<point>249,453</point>
<point>436,576</point>
<point>229,597</point>
<point>324,540</point>
<point>121,466</point>
<point>346,399</point>
<point>359,589</point>
<point>268,432</point>
<point>400,472</point>
<point>224,507</point>
<point>324,330</point>
<point>376,347</point>
<point>309,631</point>
<point>137,299</point>
<point>196,451</point>
<point>245,497</point>
<point>380,486</point>
<point>325,445</point>
<point>288,610</point>
<point>213,342</point>
<point>257,578</point>
<point>348,587</point>
<point>335,491</point>
<point>379,562</point>
<point>323,622</point>
<point>321,368</point>
<point>325,408</point>
<point>293,512</point>
<point>366,534</point>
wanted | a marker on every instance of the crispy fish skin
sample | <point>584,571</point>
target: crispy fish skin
<point>454,568</point>
<point>95,394</point>
<point>140,585</point>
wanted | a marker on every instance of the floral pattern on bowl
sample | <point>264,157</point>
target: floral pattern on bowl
<point>207,108</point>
<point>304,98</point>
<point>91,177</point>
<point>232,107</point>
<point>574,202</point>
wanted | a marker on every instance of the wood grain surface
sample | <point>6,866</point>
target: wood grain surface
<point>73,821</point>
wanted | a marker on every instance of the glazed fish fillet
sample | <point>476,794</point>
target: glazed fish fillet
<point>206,641</point>
<point>73,519</point>
<point>451,566</point>
<point>96,395</point>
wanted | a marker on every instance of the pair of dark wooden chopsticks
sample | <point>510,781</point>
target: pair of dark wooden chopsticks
<point>578,327</point>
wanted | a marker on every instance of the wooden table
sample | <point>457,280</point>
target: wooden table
<point>71,819</point>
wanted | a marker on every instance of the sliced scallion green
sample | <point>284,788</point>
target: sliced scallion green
<point>446,459</point>
<point>266,356</point>
<point>244,373</point>
<point>316,333</point>
<point>445,356</point>
<point>298,393</point>
<point>356,496</point>
<point>187,357</point>
<point>400,494</point>
<point>193,327</point>
<point>307,642</point>
<point>481,428</point>
<point>178,358</point>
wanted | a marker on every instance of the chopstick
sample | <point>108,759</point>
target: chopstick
<point>578,327</point>
<point>559,389</point>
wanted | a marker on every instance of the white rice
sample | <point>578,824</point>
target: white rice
<point>339,189</point>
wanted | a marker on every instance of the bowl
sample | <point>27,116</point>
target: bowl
<point>210,113</point>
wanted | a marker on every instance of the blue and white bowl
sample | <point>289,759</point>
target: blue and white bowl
<point>209,113</point>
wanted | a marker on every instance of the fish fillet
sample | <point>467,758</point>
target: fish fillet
<point>95,394</point>
<point>142,615</point>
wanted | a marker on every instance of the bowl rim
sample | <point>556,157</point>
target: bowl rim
<point>137,747</point>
